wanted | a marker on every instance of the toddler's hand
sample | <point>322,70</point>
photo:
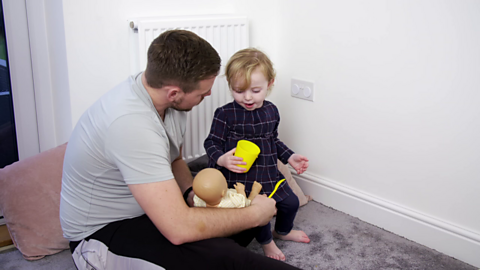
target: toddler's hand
<point>229,161</point>
<point>298,162</point>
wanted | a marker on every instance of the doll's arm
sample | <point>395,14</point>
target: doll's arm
<point>256,187</point>
<point>240,188</point>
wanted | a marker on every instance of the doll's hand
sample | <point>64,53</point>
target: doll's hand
<point>229,161</point>
<point>298,162</point>
<point>240,188</point>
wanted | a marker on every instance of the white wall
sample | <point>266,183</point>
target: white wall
<point>99,40</point>
<point>397,97</point>
<point>395,117</point>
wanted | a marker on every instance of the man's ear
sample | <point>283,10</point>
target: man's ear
<point>174,92</point>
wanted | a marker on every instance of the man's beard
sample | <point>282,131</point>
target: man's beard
<point>176,106</point>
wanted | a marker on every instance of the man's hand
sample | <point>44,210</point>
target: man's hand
<point>298,162</point>
<point>265,208</point>
<point>190,198</point>
<point>229,161</point>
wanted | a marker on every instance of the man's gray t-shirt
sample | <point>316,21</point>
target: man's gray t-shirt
<point>119,140</point>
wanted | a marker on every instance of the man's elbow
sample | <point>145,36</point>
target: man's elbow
<point>177,235</point>
<point>177,239</point>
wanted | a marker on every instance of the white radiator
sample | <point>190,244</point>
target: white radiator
<point>227,34</point>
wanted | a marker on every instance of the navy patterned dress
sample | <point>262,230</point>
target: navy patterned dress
<point>232,123</point>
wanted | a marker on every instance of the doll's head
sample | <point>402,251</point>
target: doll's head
<point>250,76</point>
<point>210,185</point>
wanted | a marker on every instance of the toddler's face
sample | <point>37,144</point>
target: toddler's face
<point>252,98</point>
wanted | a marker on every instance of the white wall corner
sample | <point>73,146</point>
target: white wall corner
<point>442,236</point>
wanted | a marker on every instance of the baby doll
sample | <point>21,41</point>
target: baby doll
<point>211,190</point>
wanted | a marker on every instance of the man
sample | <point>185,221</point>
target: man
<point>121,201</point>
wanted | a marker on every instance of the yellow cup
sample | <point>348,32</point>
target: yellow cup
<point>248,151</point>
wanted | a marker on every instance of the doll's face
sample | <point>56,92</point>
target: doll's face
<point>210,185</point>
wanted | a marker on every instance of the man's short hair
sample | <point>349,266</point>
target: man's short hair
<point>180,58</point>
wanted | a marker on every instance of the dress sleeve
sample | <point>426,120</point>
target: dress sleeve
<point>283,152</point>
<point>215,142</point>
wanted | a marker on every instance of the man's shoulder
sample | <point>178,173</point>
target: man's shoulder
<point>178,115</point>
<point>122,100</point>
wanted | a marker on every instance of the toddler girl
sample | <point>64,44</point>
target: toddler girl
<point>250,76</point>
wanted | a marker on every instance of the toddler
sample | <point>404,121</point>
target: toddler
<point>250,76</point>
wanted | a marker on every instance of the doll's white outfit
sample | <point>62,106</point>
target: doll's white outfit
<point>231,200</point>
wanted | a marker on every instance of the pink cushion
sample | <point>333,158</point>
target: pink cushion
<point>302,198</point>
<point>30,201</point>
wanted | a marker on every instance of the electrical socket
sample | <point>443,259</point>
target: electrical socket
<point>302,89</point>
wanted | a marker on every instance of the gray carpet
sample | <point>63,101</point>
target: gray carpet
<point>338,241</point>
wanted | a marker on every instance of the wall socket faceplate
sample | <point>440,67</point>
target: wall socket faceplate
<point>302,89</point>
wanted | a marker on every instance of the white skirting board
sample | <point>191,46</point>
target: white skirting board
<point>436,234</point>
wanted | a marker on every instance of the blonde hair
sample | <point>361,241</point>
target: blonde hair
<point>241,65</point>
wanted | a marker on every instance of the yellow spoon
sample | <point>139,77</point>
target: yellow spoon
<point>276,187</point>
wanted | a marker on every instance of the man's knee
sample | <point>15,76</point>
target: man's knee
<point>222,253</point>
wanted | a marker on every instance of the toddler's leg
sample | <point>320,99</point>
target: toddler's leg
<point>286,212</point>
<point>270,249</point>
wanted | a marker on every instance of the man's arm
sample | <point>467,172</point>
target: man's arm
<point>182,173</point>
<point>183,176</point>
<point>164,205</point>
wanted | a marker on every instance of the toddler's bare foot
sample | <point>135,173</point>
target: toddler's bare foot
<point>272,251</point>
<point>294,235</point>
<point>309,198</point>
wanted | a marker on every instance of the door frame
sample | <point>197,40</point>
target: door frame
<point>37,54</point>
<point>21,77</point>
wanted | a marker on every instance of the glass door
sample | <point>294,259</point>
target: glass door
<point>8,138</point>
